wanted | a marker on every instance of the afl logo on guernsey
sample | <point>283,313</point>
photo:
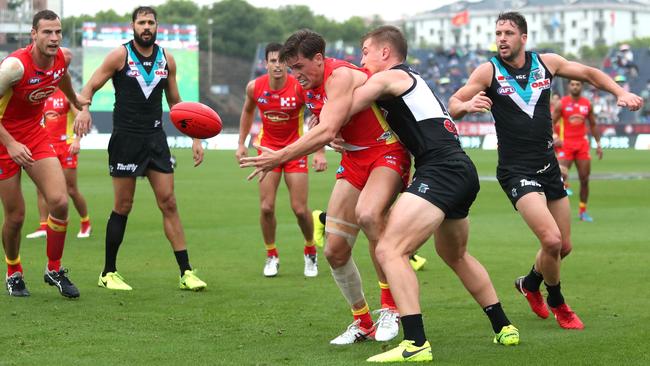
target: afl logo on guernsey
<point>40,95</point>
<point>506,90</point>
<point>132,73</point>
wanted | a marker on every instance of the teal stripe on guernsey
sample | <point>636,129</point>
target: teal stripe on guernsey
<point>148,77</point>
<point>526,93</point>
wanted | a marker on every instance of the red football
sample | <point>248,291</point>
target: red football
<point>195,120</point>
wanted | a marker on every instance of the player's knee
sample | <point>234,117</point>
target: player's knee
<point>58,203</point>
<point>368,218</point>
<point>386,252</point>
<point>167,204</point>
<point>14,220</point>
<point>123,207</point>
<point>267,209</point>
<point>566,249</point>
<point>551,242</point>
<point>336,258</point>
<point>300,210</point>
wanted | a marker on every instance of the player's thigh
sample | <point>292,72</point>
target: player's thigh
<point>561,212</point>
<point>342,201</point>
<point>298,186</point>
<point>123,191</point>
<point>341,224</point>
<point>534,210</point>
<point>584,168</point>
<point>451,238</point>
<point>566,163</point>
<point>161,183</point>
<point>411,221</point>
<point>380,191</point>
<point>268,188</point>
<point>70,178</point>
<point>48,177</point>
<point>12,196</point>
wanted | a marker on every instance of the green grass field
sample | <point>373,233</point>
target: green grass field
<point>246,319</point>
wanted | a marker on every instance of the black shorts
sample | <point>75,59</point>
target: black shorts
<point>450,185</point>
<point>517,181</point>
<point>131,155</point>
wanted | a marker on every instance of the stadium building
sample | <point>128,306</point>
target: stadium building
<point>564,25</point>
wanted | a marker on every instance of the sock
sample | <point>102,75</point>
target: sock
<point>310,248</point>
<point>183,261</point>
<point>42,225</point>
<point>497,317</point>
<point>322,217</point>
<point>386,296</point>
<point>533,280</point>
<point>115,229</point>
<point>56,230</point>
<point>85,223</point>
<point>363,314</point>
<point>582,207</point>
<point>413,329</point>
<point>555,297</point>
<point>13,266</point>
<point>271,250</point>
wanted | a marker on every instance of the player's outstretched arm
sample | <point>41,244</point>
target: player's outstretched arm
<point>111,64</point>
<point>171,92</point>
<point>555,117</point>
<point>594,132</point>
<point>246,121</point>
<point>558,65</point>
<point>471,98</point>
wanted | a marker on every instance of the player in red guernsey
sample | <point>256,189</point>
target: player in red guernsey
<point>27,77</point>
<point>570,117</point>
<point>59,118</point>
<point>373,170</point>
<point>278,96</point>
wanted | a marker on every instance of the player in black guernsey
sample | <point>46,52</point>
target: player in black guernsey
<point>436,202</point>
<point>515,86</point>
<point>141,71</point>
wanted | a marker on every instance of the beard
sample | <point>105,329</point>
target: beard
<point>141,42</point>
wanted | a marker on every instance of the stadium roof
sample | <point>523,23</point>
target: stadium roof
<point>492,5</point>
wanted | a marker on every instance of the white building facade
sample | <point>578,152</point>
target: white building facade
<point>565,24</point>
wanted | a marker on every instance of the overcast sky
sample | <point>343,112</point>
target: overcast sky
<point>335,9</point>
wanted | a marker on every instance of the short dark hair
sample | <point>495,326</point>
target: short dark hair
<point>516,18</point>
<point>144,10</point>
<point>389,34</point>
<point>271,47</point>
<point>304,42</point>
<point>44,15</point>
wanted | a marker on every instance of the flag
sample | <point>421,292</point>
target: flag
<point>461,18</point>
<point>612,17</point>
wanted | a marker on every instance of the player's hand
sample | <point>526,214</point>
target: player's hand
<point>557,142</point>
<point>242,152</point>
<point>630,100</point>
<point>480,103</point>
<point>263,163</point>
<point>74,147</point>
<point>20,154</point>
<point>599,152</point>
<point>82,123</point>
<point>319,163</point>
<point>81,102</point>
<point>197,152</point>
<point>337,144</point>
<point>312,121</point>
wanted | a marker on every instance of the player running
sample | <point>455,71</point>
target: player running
<point>141,71</point>
<point>27,78</point>
<point>515,85</point>
<point>279,98</point>
<point>58,118</point>
<point>570,116</point>
<point>374,169</point>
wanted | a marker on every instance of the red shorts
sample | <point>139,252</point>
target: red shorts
<point>67,160</point>
<point>300,165</point>
<point>574,149</point>
<point>356,166</point>
<point>40,148</point>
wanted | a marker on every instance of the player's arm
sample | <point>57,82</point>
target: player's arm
<point>11,71</point>
<point>594,132</point>
<point>246,120</point>
<point>558,65</point>
<point>111,64</point>
<point>471,98</point>
<point>66,83</point>
<point>555,117</point>
<point>384,83</point>
<point>173,97</point>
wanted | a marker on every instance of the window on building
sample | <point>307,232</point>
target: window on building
<point>585,14</point>
<point>534,17</point>
<point>574,23</point>
<point>431,31</point>
<point>467,40</point>
<point>634,17</point>
<point>574,42</point>
<point>442,23</point>
<point>489,37</point>
<point>601,14</point>
<point>534,36</point>
<point>441,41</point>
<point>585,33</point>
<point>478,29</point>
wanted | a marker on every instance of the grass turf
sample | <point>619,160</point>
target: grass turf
<point>246,319</point>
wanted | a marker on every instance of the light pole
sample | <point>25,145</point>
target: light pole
<point>210,55</point>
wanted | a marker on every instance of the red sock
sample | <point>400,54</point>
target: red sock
<point>42,225</point>
<point>85,223</point>
<point>56,230</point>
<point>387,300</point>
<point>363,314</point>
<point>582,207</point>
<point>271,250</point>
<point>310,249</point>
<point>13,266</point>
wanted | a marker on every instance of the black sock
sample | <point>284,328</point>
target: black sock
<point>414,329</point>
<point>555,297</point>
<point>533,280</point>
<point>322,217</point>
<point>115,229</point>
<point>497,317</point>
<point>183,261</point>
